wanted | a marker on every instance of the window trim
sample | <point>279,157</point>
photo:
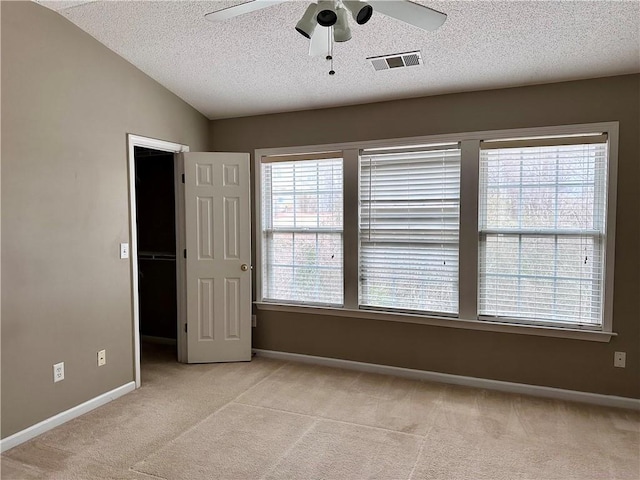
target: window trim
<point>597,234</point>
<point>376,161</point>
<point>267,160</point>
<point>468,237</point>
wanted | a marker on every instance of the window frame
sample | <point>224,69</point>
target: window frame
<point>599,236</point>
<point>468,317</point>
<point>376,162</point>
<point>331,156</point>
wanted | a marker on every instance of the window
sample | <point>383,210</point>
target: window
<point>302,231</point>
<point>509,231</point>
<point>542,230</point>
<point>409,219</point>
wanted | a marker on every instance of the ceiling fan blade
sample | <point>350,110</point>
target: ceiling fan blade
<point>409,12</point>
<point>230,12</point>
<point>320,41</point>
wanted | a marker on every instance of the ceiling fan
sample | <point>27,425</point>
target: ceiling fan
<point>328,20</point>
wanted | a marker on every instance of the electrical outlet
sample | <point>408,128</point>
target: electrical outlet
<point>58,372</point>
<point>620,359</point>
<point>254,320</point>
<point>102,357</point>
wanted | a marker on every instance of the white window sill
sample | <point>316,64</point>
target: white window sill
<point>490,326</point>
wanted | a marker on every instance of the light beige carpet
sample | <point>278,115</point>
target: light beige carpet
<point>276,420</point>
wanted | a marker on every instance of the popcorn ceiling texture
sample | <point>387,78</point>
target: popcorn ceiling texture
<point>257,63</point>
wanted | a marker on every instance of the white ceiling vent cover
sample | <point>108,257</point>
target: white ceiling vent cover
<point>396,60</point>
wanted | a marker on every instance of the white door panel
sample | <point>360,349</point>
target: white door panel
<point>218,240</point>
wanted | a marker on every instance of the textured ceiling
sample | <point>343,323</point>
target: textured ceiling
<point>258,63</point>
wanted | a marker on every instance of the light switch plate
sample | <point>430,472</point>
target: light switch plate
<point>124,250</point>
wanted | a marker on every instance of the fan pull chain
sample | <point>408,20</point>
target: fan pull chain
<point>330,49</point>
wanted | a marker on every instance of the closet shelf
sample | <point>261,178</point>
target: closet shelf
<point>156,256</point>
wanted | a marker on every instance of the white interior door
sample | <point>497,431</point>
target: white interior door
<point>218,250</point>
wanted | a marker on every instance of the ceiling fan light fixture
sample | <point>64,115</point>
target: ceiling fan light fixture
<point>361,11</point>
<point>308,22</point>
<point>327,16</point>
<point>341,30</point>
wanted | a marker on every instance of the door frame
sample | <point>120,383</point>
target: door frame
<point>162,145</point>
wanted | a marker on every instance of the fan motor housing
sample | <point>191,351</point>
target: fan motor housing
<point>326,18</point>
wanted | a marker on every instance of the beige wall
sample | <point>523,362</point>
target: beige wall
<point>572,364</point>
<point>67,105</point>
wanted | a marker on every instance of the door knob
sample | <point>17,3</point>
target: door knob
<point>244,267</point>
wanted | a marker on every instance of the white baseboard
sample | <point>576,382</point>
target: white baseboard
<point>59,419</point>
<point>521,388</point>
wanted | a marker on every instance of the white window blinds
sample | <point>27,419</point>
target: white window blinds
<point>302,231</point>
<point>542,229</point>
<point>409,222</point>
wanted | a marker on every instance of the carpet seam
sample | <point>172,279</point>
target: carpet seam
<point>450,421</point>
<point>277,462</point>
<point>215,412</point>
<point>27,466</point>
<point>258,383</point>
<point>427,433</point>
<point>48,445</point>
<point>36,441</point>
<point>326,419</point>
<point>168,442</point>
<point>131,469</point>
<point>415,464</point>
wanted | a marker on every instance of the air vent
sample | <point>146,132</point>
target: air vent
<point>396,60</point>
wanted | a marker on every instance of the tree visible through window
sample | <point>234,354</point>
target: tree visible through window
<point>542,230</point>
<point>491,228</point>
<point>302,231</point>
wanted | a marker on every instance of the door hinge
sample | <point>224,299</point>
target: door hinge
<point>184,253</point>
<point>185,328</point>
<point>183,178</point>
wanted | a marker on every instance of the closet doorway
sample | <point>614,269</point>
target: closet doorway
<point>156,232</point>
<point>156,199</point>
<point>208,308</point>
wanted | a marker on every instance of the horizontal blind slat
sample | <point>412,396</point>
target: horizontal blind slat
<point>409,223</point>
<point>302,223</point>
<point>542,211</point>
